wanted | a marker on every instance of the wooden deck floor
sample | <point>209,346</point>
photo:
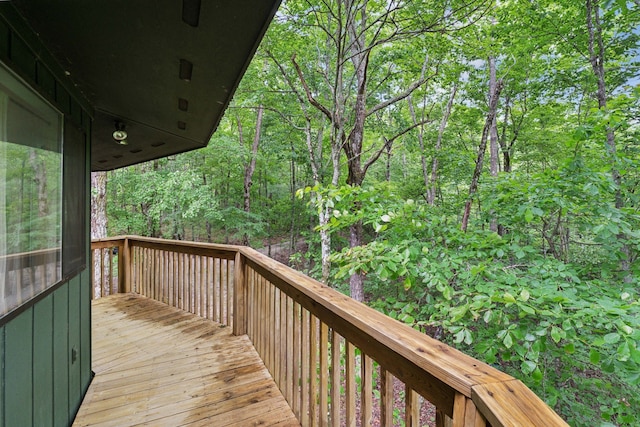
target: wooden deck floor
<point>160,366</point>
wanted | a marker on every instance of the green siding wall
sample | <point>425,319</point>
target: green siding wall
<point>1,375</point>
<point>42,362</point>
<point>18,370</point>
<point>85,327</point>
<point>60,358</point>
<point>41,383</point>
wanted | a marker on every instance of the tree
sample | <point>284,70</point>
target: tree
<point>361,80</point>
<point>250,163</point>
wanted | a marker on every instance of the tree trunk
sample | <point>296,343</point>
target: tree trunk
<point>596,58</point>
<point>433,182</point>
<point>40,179</point>
<point>354,40</point>
<point>423,157</point>
<point>98,205</point>
<point>250,166</point>
<point>493,136</point>
<point>356,281</point>
<point>473,187</point>
<point>98,221</point>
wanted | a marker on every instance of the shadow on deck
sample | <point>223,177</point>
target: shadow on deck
<point>161,366</point>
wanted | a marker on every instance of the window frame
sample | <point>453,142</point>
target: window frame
<point>73,183</point>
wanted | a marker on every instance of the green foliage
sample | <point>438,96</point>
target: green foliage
<point>559,323</point>
<point>553,297</point>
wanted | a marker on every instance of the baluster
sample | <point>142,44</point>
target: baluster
<point>386,397</point>
<point>366,391</point>
<point>350,362</point>
<point>313,369</point>
<point>296,360</point>
<point>411,407</point>
<point>304,369</point>
<point>335,378</point>
<point>289,354</point>
<point>277,327</point>
<point>323,404</point>
<point>283,341</point>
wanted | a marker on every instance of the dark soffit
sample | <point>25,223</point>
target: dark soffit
<point>167,69</point>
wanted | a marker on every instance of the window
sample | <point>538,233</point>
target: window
<point>31,202</point>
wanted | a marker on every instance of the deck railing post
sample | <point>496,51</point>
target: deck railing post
<point>126,271</point>
<point>120,268</point>
<point>240,296</point>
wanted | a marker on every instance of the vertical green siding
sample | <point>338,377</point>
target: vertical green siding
<point>60,356</point>
<point>24,59</point>
<point>18,370</point>
<point>85,329</point>
<point>41,384</point>
<point>5,34</point>
<point>2,423</point>
<point>74,346</point>
<point>42,362</point>
<point>46,81</point>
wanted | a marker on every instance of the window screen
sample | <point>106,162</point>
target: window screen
<point>31,201</point>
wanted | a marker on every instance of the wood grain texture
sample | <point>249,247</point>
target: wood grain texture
<point>157,365</point>
<point>511,403</point>
<point>280,310</point>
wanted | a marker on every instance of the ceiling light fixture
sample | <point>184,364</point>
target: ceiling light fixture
<point>120,135</point>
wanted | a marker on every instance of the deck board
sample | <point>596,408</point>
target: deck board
<point>157,365</point>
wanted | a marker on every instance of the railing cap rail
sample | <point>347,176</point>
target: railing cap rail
<point>502,399</point>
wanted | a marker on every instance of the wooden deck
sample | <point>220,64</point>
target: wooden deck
<point>158,365</point>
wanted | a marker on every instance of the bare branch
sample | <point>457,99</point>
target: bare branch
<point>310,97</point>
<point>412,87</point>
<point>389,142</point>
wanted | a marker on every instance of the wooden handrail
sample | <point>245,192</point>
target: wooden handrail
<point>316,341</point>
<point>26,274</point>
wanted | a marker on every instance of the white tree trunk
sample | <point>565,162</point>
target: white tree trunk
<point>98,223</point>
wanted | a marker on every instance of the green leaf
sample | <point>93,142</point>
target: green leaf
<point>594,356</point>
<point>458,313</point>
<point>537,211</point>
<point>528,367</point>
<point>508,341</point>
<point>528,215</point>
<point>508,297</point>
<point>612,338</point>
<point>556,334</point>
<point>537,375</point>
<point>527,309</point>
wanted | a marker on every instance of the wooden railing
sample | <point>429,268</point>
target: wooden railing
<point>336,361</point>
<point>27,274</point>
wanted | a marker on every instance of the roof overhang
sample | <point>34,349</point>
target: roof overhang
<point>165,69</point>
